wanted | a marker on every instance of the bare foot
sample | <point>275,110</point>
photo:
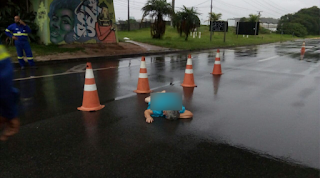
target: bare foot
<point>12,127</point>
<point>3,138</point>
<point>163,91</point>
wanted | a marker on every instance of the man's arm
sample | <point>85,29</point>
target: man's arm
<point>8,32</point>
<point>26,27</point>
<point>147,115</point>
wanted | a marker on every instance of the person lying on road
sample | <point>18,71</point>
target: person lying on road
<point>171,115</point>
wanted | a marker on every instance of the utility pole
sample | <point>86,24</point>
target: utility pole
<point>256,29</point>
<point>210,22</point>
<point>173,4</point>
<point>128,16</point>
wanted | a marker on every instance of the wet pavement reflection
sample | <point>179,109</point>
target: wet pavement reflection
<point>259,119</point>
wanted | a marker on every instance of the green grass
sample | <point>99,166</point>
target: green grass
<point>172,39</point>
<point>42,50</point>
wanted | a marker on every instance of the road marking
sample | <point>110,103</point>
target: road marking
<point>133,94</point>
<point>155,88</point>
<point>268,58</point>
<point>67,73</point>
<point>75,72</point>
<point>78,68</point>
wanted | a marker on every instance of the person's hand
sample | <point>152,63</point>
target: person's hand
<point>14,37</point>
<point>22,22</point>
<point>149,120</point>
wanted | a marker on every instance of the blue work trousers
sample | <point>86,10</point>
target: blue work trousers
<point>24,46</point>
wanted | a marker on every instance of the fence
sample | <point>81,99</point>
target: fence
<point>136,26</point>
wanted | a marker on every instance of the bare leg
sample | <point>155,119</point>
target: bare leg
<point>11,129</point>
<point>186,115</point>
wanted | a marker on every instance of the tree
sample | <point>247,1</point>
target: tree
<point>243,19</point>
<point>214,17</point>
<point>157,9</point>
<point>308,18</point>
<point>12,8</point>
<point>253,18</point>
<point>187,20</point>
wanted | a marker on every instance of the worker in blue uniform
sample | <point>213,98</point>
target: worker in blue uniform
<point>9,97</point>
<point>18,31</point>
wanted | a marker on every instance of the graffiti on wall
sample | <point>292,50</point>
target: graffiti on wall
<point>41,16</point>
<point>81,21</point>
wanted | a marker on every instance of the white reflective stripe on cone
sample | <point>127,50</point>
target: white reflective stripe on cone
<point>218,55</point>
<point>143,64</point>
<point>92,87</point>
<point>217,62</point>
<point>189,62</point>
<point>189,71</point>
<point>89,73</point>
<point>143,75</point>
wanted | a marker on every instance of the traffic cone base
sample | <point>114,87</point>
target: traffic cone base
<point>142,91</point>
<point>91,109</point>
<point>188,81</point>
<point>184,85</point>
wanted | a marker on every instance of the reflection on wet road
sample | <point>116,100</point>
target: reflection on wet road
<point>265,105</point>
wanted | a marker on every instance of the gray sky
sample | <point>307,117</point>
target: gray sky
<point>228,8</point>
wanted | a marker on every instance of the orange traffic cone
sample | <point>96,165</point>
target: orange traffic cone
<point>91,100</point>
<point>188,76</point>
<point>217,65</point>
<point>143,82</point>
<point>303,50</point>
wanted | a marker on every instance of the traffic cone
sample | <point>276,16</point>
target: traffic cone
<point>91,100</point>
<point>143,82</point>
<point>303,50</point>
<point>188,76</point>
<point>217,65</point>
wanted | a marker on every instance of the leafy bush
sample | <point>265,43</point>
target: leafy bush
<point>294,28</point>
<point>11,9</point>
<point>263,30</point>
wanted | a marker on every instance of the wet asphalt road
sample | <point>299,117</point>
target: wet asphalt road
<point>259,119</point>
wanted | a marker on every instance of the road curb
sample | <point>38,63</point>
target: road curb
<point>114,57</point>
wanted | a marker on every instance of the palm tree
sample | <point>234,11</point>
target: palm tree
<point>187,20</point>
<point>157,9</point>
<point>214,17</point>
<point>253,18</point>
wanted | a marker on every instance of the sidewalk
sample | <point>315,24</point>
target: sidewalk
<point>102,51</point>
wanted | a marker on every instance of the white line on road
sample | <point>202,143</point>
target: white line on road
<point>268,58</point>
<point>133,94</point>
<point>67,73</point>
<point>155,88</point>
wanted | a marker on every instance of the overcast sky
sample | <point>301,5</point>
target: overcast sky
<point>228,8</point>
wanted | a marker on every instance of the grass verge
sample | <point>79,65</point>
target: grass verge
<point>42,50</point>
<point>172,39</point>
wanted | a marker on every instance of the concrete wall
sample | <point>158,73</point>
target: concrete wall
<point>76,21</point>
